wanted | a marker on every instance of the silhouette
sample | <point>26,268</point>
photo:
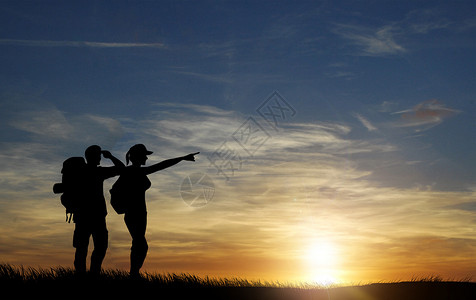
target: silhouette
<point>134,179</point>
<point>89,208</point>
<point>70,186</point>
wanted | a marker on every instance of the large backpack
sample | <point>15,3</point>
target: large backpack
<point>71,185</point>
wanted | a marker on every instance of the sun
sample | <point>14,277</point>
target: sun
<point>321,253</point>
<point>322,259</point>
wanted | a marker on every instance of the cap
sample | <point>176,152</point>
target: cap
<point>140,148</point>
<point>137,149</point>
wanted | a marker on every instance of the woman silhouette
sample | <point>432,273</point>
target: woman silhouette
<point>135,178</point>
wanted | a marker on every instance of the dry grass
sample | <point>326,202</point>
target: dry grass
<point>61,283</point>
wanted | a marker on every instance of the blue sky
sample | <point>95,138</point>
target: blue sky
<point>384,101</point>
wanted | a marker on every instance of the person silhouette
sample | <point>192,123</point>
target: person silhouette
<point>90,216</point>
<point>137,182</point>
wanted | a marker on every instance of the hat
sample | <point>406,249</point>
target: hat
<point>140,148</point>
<point>137,149</point>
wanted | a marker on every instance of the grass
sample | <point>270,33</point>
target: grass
<point>29,275</point>
<point>63,283</point>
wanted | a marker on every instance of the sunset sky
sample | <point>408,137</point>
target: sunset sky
<point>337,138</point>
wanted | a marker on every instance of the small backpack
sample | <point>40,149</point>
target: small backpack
<point>126,186</point>
<point>119,196</point>
<point>71,185</point>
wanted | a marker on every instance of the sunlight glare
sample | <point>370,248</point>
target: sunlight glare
<point>321,259</point>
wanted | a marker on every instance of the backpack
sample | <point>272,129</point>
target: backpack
<point>71,185</point>
<point>119,196</point>
<point>123,191</point>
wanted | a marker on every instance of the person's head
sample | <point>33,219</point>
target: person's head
<point>93,155</point>
<point>137,154</point>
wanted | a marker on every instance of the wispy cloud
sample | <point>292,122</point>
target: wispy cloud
<point>384,40</point>
<point>425,115</point>
<point>387,106</point>
<point>50,125</point>
<point>222,78</point>
<point>341,74</point>
<point>424,21</point>
<point>372,42</point>
<point>365,122</point>
<point>206,110</point>
<point>49,43</point>
<point>206,128</point>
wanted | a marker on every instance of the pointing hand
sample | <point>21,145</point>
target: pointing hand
<point>190,157</point>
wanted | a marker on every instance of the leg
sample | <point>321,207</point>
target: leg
<point>100,239</point>
<point>81,243</point>
<point>137,224</point>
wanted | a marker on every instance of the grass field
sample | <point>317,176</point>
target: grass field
<point>63,283</point>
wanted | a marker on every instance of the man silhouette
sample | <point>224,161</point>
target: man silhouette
<point>90,217</point>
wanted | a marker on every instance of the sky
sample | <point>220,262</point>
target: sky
<point>336,138</point>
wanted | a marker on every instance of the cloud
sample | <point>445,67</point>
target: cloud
<point>207,77</point>
<point>49,126</point>
<point>387,106</point>
<point>341,74</point>
<point>383,40</point>
<point>49,122</point>
<point>365,122</point>
<point>372,42</point>
<point>468,206</point>
<point>202,109</point>
<point>206,129</point>
<point>424,115</point>
<point>424,21</point>
<point>87,44</point>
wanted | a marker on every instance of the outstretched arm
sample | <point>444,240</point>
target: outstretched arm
<point>168,163</point>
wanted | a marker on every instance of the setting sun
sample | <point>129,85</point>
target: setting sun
<point>322,261</point>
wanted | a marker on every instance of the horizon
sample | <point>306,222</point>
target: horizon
<point>27,273</point>
<point>337,140</point>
